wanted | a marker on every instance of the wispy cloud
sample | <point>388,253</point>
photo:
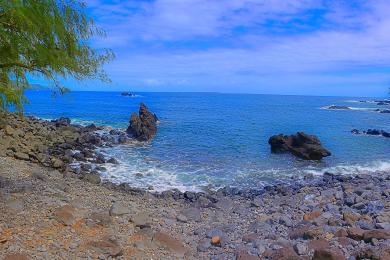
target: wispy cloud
<point>256,44</point>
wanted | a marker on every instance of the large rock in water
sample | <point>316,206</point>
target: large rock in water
<point>305,146</point>
<point>143,126</point>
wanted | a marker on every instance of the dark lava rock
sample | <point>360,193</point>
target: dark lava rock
<point>143,126</point>
<point>373,132</point>
<point>339,107</point>
<point>355,131</point>
<point>62,121</point>
<point>127,94</point>
<point>305,146</point>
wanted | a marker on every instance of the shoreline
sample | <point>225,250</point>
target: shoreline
<point>336,216</point>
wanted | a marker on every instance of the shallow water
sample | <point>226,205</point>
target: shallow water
<point>222,139</point>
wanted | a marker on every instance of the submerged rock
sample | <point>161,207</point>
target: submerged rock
<point>339,107</point>
<point>143,126</point>
<point>376,132</point>
<point>304,146</point>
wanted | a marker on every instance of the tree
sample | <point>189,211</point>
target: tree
<point>46,38</point>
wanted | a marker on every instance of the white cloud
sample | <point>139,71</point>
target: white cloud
<point>345,40</point>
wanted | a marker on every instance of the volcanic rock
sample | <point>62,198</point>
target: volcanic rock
<point>304,146</point>
<point>143,126</point>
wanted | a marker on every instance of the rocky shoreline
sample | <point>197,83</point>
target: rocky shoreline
<point>54,206</point>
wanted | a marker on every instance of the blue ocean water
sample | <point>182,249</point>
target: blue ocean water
<point>211,139</point>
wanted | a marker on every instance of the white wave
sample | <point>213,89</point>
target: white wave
<point>153,177</point>
<point>350,108</point>
<point>353,169</point>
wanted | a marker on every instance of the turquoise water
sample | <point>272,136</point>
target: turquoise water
<point>221,139</point>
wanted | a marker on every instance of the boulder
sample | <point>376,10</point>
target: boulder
<point>307,147</point>
<point>62,121</point>
<point>143,126</point>
<point>172,244</point>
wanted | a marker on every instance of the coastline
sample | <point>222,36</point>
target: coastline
<point>61,213</point>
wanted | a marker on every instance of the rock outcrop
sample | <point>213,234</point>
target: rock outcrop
<point>143,126</point>
<point>339,108</point>
<point>304,146</point>
<point>371,132</point>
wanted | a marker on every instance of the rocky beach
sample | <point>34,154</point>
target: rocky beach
<point>55,206</point>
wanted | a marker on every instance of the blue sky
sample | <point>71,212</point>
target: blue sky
<point>312,47</point>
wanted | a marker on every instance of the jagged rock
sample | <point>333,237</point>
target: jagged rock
<point>305,146</point>
<point>62,121</point>
<point>143,126</point>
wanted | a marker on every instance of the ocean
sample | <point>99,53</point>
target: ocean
<point>214,140</point>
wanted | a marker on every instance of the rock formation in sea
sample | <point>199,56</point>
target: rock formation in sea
<point>339,107</point>
<point>143,126</point>
<point>304,146</point>
<point>371,132</point>
<point>127,94</point>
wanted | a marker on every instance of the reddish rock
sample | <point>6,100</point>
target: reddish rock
<point>318,244</point>
<point>16,256</point>
<point>328,254</point>
<point>65,215</point>
<point>355,233</point>
<point>306,232</point>
<point>106,246</point>
<point>345,241</point>
<point>243,255</point>
<point>351,217</point>
<point>174,245</point>
<point>286,253</point>
<point>341,233</point>
<point>312,215</point>
<point>216,241</point>
<point>376,233</point>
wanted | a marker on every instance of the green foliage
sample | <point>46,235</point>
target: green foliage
<point>48,38</point>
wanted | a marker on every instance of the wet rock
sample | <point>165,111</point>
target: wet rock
<point>62,121</point>
<point>143,126</point>
<point>113,161</point>
<point>304,146</point>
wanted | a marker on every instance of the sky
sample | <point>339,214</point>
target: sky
<point>302,47</point>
